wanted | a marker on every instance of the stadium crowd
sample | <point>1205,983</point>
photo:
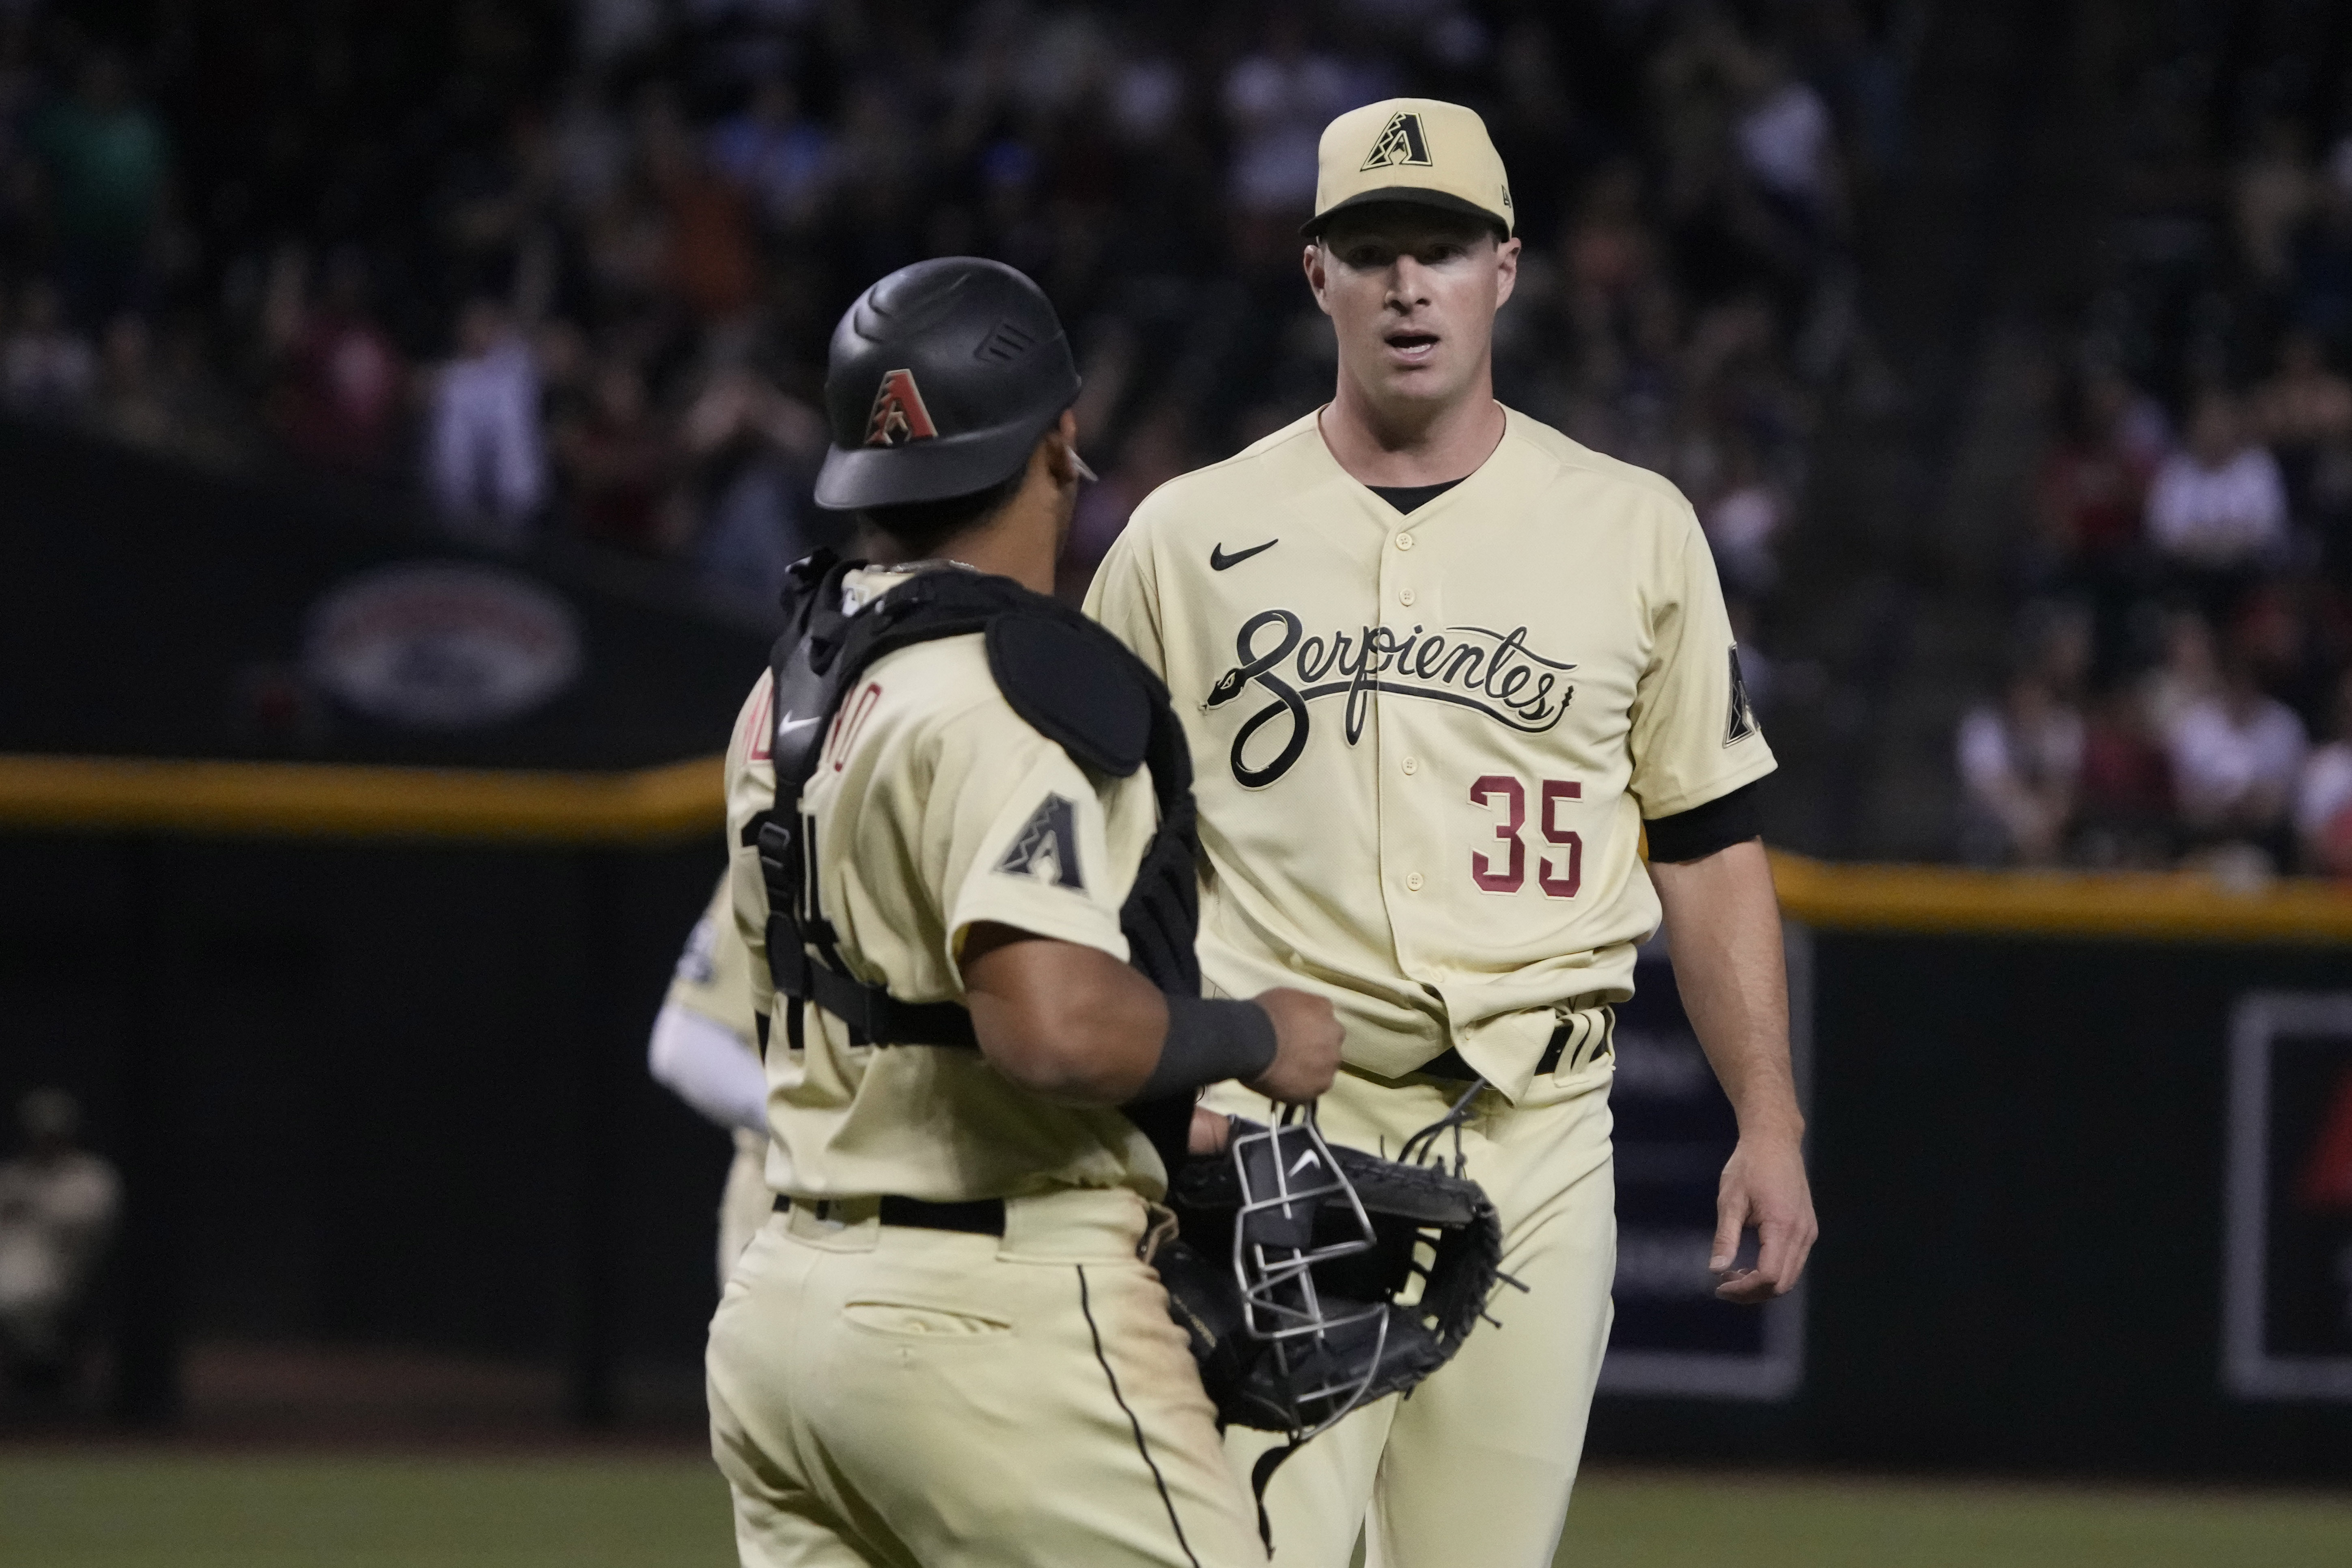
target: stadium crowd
<point>569,269</point>
<point>2182,690</point>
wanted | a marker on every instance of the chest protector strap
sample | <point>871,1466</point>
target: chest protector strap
<point>1071,680</point>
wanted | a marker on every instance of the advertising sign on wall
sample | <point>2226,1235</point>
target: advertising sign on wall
<point>2287,1255</point>
<point>1674,1131</point>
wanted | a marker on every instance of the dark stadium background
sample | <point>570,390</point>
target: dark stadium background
<point>320,317</point>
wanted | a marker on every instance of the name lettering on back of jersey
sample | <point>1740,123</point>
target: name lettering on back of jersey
<point>848,720</point>
<point>1743,713</point>
<point>1489,672</point>
<point>759,732</point>
<point>1046,847</point>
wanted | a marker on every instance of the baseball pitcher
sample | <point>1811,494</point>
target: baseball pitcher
<point>1443,668</point>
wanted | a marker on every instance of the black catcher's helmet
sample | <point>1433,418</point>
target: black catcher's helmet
<point>941,379</point>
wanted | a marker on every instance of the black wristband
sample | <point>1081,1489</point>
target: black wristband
<point>1209,1042</point>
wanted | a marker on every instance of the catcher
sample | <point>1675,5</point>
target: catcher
<point>964,868</point>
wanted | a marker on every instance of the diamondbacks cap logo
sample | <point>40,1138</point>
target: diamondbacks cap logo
<point>1742,723</point>
<point>1400,141</point>
<point>899,415</point>
<point>1048,846</point>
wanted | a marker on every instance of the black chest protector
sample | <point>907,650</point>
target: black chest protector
<point>1073,682</point>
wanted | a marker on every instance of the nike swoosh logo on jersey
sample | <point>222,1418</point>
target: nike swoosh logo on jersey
<point>786,724</point>
<point>1219,561</point>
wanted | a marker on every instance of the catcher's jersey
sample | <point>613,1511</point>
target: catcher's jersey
<point>1424,743</point>
<point>938,807</point>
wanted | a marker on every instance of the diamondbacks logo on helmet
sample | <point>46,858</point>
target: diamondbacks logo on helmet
<point>1400,142</point>
<point>899,415</point>
<point>1047,847</point>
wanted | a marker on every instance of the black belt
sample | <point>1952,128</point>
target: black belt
<point>1448,1063</point>
<point>978,1216</point>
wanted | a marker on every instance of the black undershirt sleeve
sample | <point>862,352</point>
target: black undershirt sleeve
<point>1696,834</point>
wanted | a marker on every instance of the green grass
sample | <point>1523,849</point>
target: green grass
<point>1628,1521</point>
<point>135,1510</point>
<point>246,1511</point>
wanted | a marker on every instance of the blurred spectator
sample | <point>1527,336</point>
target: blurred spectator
<point>2189,673</point>
<point>618,465</point>
<point>2093,483</point>
<point>58,1208</point>
<point>2304,412</point>
<point>2323,804</point>
<point>709,259</point>
<point>2126,786</point>
<point>2219,506</point>
<point>2021,763</point>
<point>2236,758</point>
<point>2323,800</point>
<point>2274,188</point>
<point>46,367</point>
<point>1788,145</point>
<point>135,403</point>
<point>589,148</point>
<point>488,465</point>
<point>107,156</point>
<point>2320,273</point>
<point>1277,99</point>
<point>1155,452</point>
<point>343,384</point>
<point>2305,404</point>
<point>782,158</point>
<point>749,444</point>
<point>1742,523</point>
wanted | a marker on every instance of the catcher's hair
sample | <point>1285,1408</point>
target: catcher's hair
<point>919,527</point>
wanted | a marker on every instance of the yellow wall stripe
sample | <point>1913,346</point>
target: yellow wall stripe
<point>683,800</point>
<point>2148,905</point>
<point>309,799</point>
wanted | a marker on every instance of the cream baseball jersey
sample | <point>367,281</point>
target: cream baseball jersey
<point>713,978</point>
<point>937,808</point>
<point>1424,744</point>
<point>714,972</point>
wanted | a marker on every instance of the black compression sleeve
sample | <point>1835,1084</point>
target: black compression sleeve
<point>1696,834</point>
<point>1209,1042</point>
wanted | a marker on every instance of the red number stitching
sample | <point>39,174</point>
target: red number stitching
<point>1482,870</point>
<point>1554,792</point>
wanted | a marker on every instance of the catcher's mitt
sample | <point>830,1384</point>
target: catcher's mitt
<point>1296,1268</point>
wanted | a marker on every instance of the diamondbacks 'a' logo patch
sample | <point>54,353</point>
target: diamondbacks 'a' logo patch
<point>899,415</point>
<point>1400,141</point>
<point>1742,723</point>
<point>1048,846</point>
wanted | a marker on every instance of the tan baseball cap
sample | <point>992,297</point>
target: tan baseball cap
<point>1409,150</point>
